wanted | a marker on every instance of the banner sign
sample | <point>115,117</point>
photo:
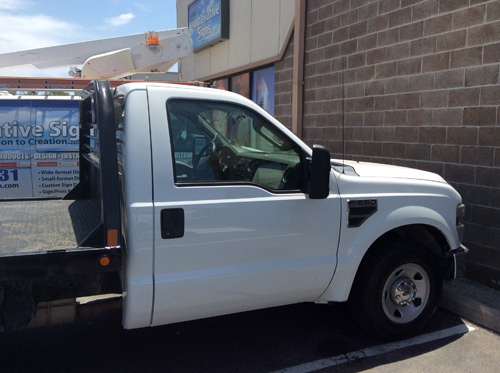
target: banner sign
<point>38,148</point>
<point>263,88</point>
<point>208,22</point>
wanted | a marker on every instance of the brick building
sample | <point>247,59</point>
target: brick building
<point>420,89</point>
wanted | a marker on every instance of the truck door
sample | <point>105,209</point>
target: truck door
<point>234,229</point>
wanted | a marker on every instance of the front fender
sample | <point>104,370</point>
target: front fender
<point>355,242</point>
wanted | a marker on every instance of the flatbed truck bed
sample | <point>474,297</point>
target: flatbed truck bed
<point>37,226</point>
<point>62,249</point>
<point>50,250</point>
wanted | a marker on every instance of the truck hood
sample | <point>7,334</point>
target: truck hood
<point>378,170</point>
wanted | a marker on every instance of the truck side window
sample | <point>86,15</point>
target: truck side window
<point>216,142</point>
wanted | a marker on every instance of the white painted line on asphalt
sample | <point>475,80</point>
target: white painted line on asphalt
<point>377,350</point>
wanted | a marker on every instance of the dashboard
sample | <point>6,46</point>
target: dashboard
<point>240,164</point>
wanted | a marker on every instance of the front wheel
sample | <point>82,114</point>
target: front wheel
<point>396,290</point>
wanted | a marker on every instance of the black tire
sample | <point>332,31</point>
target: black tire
<point>396,290</point>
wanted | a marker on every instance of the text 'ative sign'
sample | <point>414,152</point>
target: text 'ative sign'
<point>39,147</point>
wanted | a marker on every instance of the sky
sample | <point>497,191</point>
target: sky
<point>30,24</point>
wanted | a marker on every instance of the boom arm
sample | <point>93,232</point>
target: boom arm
<point>109,58</point>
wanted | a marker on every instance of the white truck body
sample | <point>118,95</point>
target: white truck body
<point>225,210</point>
<point>245,247</point>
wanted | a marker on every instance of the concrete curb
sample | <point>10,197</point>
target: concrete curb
<point>473,301</point>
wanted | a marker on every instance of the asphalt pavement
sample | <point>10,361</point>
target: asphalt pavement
<point>298,338</point>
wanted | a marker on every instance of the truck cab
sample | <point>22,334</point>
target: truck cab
<point>225,189</point>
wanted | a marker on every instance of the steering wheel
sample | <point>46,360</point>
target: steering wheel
<point>208,149</point>
<point>292,178</point>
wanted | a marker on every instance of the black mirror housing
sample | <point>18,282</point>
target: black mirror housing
<point>319,182</point>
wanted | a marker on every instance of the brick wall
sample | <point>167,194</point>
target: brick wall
<point>421,85</point>
<point>283,71</point>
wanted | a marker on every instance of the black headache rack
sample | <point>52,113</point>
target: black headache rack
<point>99,163</point>
<point>93,267</point>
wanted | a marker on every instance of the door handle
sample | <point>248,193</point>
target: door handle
<point>172,223</point>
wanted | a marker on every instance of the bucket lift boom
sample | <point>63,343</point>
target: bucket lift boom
<point>112,57</point>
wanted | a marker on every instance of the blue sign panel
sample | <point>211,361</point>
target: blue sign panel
<point>208,22</point>
<point>39,147</point>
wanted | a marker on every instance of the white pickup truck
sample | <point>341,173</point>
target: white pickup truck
<point>195,202</point>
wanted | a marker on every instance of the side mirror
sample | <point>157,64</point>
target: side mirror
<point>319,182</point>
